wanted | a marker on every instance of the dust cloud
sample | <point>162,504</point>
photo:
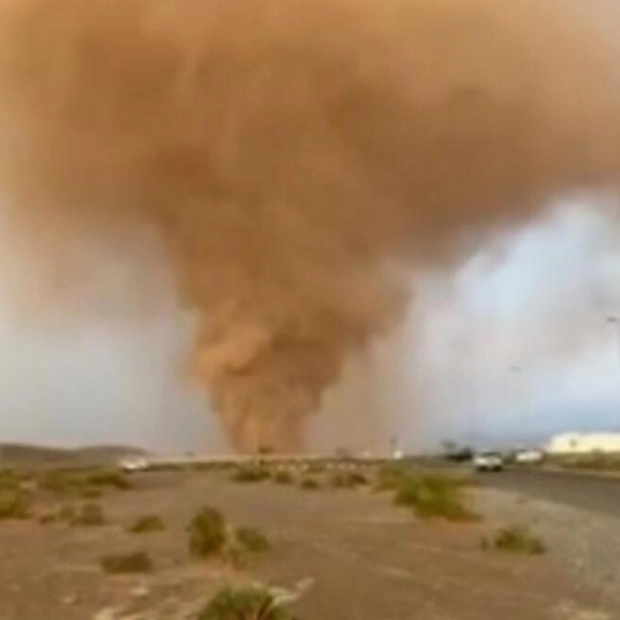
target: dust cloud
<point>296,159</point>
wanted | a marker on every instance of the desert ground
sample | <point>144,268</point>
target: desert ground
<point>342,553</point>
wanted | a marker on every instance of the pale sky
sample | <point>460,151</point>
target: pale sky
<point>537,303</point>
<point>524,332</point>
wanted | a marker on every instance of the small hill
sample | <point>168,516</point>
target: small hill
<point>34,455</point>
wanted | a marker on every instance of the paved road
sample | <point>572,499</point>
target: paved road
<point>587,492</point>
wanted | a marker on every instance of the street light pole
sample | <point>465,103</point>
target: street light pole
<point>614,321</point>
<point>516,371</point>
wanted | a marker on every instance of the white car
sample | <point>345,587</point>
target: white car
<point>488,461</point>
<point>529,457</point>
<point>130,465</point>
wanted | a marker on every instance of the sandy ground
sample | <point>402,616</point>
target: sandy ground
<point>358,557</point>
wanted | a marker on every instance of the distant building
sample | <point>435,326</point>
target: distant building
<point>584,443</point>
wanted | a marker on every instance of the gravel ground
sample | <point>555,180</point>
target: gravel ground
<point>353,553</point>
<point>587,543</point>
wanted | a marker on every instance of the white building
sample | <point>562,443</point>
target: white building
<point>584,443</point>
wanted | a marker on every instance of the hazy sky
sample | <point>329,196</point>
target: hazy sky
<point>523,332</point>
<point>515,343</point>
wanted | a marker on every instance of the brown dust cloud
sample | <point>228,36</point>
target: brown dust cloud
<point>297,159</point>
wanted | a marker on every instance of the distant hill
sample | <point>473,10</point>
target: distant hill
<point>26,454</point>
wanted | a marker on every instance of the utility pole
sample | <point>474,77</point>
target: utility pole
<point>522,416</point>
<point>472,413</point>
<point>614,321</point>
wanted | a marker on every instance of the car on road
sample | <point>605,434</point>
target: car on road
<point>528,457</point>
<point>133,464</point>
<point>488,461</point>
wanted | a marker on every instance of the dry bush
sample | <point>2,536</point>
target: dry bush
<point>244,603</point>
<point>433,496</point>
<point>596,461</point>
<point>88,515</point>
<point>283,477</point>
<point>145,524</point>
<point>9,480</point>
<point>119,563</point>
<point>47,518</point>
<point>314,468</point>
<point>252,539</point>
<point>109,478</point>
<point>14,504</point>
<point>207,532</point>
<point>348,480</point>
<point>251,473</point>
<point>515,539</point>
<point>88,484</point>
<point>389,476</point>
<point>309,484</point>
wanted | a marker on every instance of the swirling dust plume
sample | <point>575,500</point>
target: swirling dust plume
<point>297,158</point>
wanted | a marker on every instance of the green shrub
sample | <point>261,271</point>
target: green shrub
<point>250,474</point>
<point>515,539</point>
<point>14,504</point>
<point>137,562</point>
<point>207,532</point>
<point>147,523</point>
<point>244,603</point>
<point>309,484</point>
<point>283,477</point>
<point>252,539</point>
<point>433,496</point>
<point>348,480</point>
<point>88,515</point>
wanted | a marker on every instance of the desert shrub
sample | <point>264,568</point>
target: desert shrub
<point>250,473</point>
<point>348,480</point>
<point>283,477</point>
<point>58,481</point>
<point>515,539</point>
<point>389,476</point>
<point>9,480</point>
<point>47,518</point>
<point>108,478</point>
<point>433,496</point>
<point>136,562</point>
<point>88,515</point>
<point>207,532</point>
<point>244,603</point>
<point>252,539</point>
<point>88,484</point>
<point>309,484</point>
<point>87,492</point>
<point>14,504</point>
<point>314,468</point>
<point>67,513</point>
<point>596,460</point>
<point>147,523</point>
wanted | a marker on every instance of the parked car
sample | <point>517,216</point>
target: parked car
<point>488,461</point>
